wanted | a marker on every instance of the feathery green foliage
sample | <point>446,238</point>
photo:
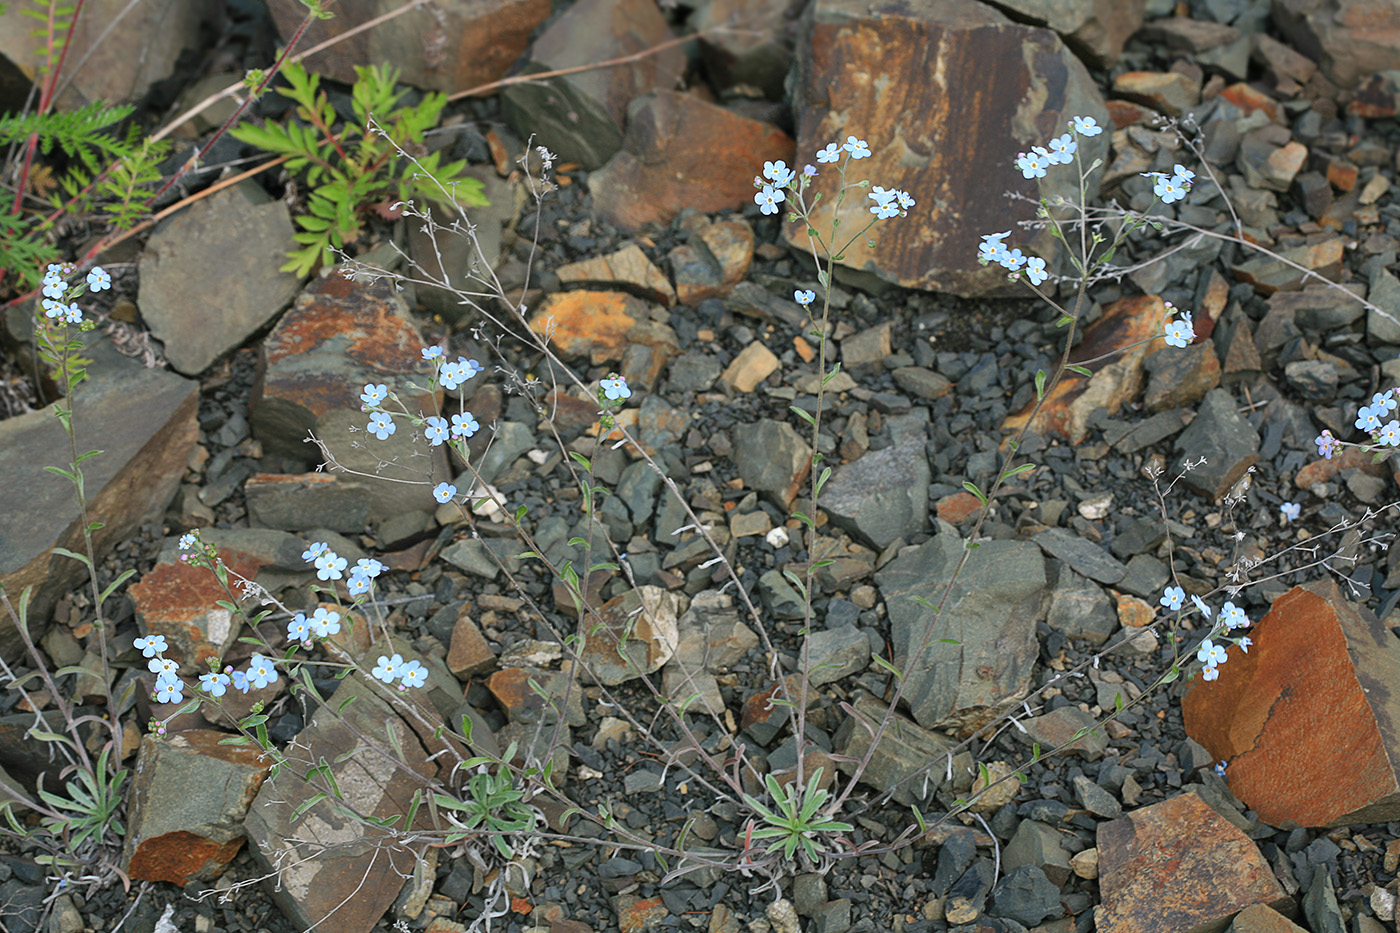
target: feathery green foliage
<point>354,166</point>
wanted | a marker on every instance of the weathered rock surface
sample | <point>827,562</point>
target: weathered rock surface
<point>458,44</point>
<point>1320,676</point>
<point>954,148</point>
<point>188,800</point>
<point>237,238</point>
<point>1181,845</point>
<point>991,614</point>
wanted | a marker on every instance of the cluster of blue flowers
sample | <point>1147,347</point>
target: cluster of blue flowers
<point>1371,419</point>
<point>778,180</point>
<point>450,374</point>
<point>55,288</point>
<point>1173,187</point>
<point>1210,653</point>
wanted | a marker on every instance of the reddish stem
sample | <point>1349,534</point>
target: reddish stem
<point>45,100</point>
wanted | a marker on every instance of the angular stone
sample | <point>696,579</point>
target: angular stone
<point>179,601</point>
<point>338,336</point>
<point>1084,556</point>
<point>329,864</point>
<point>754,364</point>
<point>459,44</point>
<point>579,116</point>
<point>1228,442</point>
<point>660,171</point>
<point>237,237</point>
<point>1349,39</point>
<point>851,79</point>
<point>518,690</point>
<point>1080,609</point>
<point>883,495</point>
<point>1268,275</point>
<point>633,635</point>
<point>772,458</point>
<point>991,614</point>
<point>1126,325</point>
<point>904,750</point>
<point>124,51</point>
<point>1169,92</point>
<point>1095,29</point>
<point>306,502</point>
<point>1026,896</point>
<point>1183,34</point>
<point>712,261</point>
<point>924,383</point>
<point>752,57</point>
<point>469,654</point>
<point>1039,844</point>
<point>1182,377</point>
<point>627,268</point>
<point>867,348</point>
<point>1059,727</point>
<point>1319,677</point>
<point>188,801</point>
<point>1383,325</point>
<point>1268,166</point>
<point>1180,845</point>
<point>144,421</point>
<point>1281,59</point>
<point>1261,918</point>
<point>587,324</point>
<point>837,653</point>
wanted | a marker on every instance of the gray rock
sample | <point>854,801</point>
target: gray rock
<point>144,421</point>
<point>772,458</point>
<point>779,596</point>
<point>954,858</point>
<point>457,257</point>
<point>883,495</point>
<point>1320,905</point>
<point>511,440</point>
<point>904,750</point>
<point>1038,844</point>
<point>991,616</point>
<point>1312,379</point>
<point>1385,294</point>
<point>1080,609</point>
<point>832,917</point>
<point>1084,556</point>
<point>836,653</point>
<point>1026,896</point>
<point>235,238</point>
<point>808,893</point>
<point>1096,800</point>
<point>307,501</point>
<point>969,894</point>
<point>580,116</point>
<point>474,555</point>
<point>1145,578</point>
<point>693,372</point>
<point>1229,444</point>
<point>1096,29</point>
<point>1346,47</point>
<point>1059,726</point>
<point>189,798</point>
<point>330,864</point>
<point>925,383</point>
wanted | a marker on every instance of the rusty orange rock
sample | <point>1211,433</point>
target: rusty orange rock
<point>1210,869</point>
<point>1307,719</point>
<point>660,171</point>
<point>587,323</point>
<point>1067,408</point>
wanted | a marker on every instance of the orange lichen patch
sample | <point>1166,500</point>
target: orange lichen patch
<point>586,323</point>
<point>176,857</point>
<point>1305,718</point>
<point>1250,99</point>
<point>1134,612</point>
